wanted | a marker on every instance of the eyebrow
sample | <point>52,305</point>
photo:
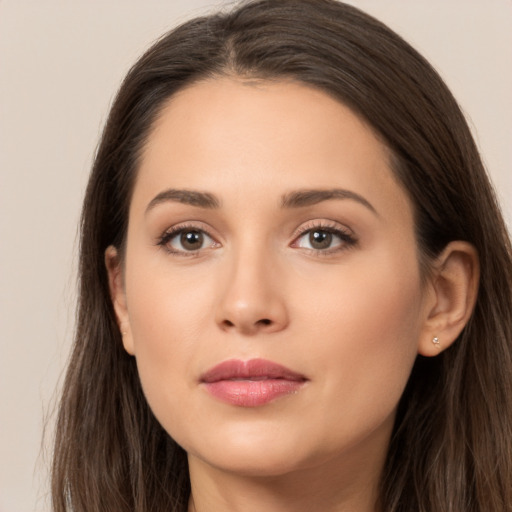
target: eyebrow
<point>295,199</point>
<point>302,198</point>
<point>190,197</point>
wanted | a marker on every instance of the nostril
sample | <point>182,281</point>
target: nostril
<point>246,325</point>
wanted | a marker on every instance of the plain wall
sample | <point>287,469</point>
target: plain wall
<point>60,65</point>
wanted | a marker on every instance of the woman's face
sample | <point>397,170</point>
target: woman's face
<point>268,235</point>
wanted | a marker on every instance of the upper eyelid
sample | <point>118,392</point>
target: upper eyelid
<point>188,225</point>
<point>322,224</point>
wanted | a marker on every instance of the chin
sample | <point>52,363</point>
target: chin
<point>256,454</point>
<point>255,465</point>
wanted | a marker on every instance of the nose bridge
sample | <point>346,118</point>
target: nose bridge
<point>252,298</point>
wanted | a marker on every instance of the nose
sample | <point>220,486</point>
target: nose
<point>252,299</point>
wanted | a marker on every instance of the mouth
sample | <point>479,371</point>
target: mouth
<point>251,383</point>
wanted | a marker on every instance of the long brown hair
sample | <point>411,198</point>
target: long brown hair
<point>451,448</point>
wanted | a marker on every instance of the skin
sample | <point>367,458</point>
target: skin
<point>351,317</point>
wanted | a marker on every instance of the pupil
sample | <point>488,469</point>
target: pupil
<point>192,240</point>
<point>320,239</point>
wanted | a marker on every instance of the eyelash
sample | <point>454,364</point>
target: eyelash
<point>171,233</point>
<point>346,237</point>
<point>348,240</point>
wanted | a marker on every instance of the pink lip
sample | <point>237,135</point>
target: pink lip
<point>251,383</point>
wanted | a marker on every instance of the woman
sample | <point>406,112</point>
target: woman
<point>295,285</point>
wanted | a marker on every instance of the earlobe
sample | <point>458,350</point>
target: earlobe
<point>118,296</point>
<point>454,285</point>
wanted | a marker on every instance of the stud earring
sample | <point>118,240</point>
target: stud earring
<point>435,341</point>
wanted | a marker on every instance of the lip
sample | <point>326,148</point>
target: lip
<point>251,383</point>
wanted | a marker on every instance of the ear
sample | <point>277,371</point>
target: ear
<point>118,296</point>
<point>453,289</point>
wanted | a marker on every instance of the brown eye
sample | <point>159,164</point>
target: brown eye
<point>187,240</point>
<point>324,240</point>
<point>319,239</point>
<point>191,240</point>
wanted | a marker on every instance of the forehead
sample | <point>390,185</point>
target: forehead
<point>222,113</point>
<point>228,136</point>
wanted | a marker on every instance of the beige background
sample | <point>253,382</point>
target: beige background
<point>60,64</point>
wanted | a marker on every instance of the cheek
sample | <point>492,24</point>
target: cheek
<point>367,324</point>
<point>168,318</point>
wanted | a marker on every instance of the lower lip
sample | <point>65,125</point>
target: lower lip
<point>252,393</point>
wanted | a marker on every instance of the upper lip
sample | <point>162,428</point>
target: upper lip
<point>253,369</point>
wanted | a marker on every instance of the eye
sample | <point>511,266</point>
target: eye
<point>324,239</point>
<point>318,239</point>
<point>183,240</point>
